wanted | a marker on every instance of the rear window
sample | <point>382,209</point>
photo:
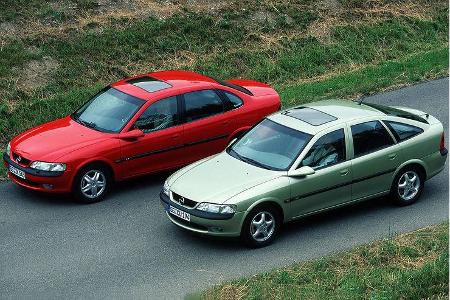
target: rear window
<point>390,111</point>
<point>403,131</point>
<point>233,86</point>
<point>310,115</point>
<point>149,84</point>
<point>235,100</point>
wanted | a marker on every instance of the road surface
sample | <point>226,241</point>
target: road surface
<point>125,247</point>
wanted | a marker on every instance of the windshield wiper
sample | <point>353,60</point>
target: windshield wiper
<point>86,123</point>
<point>249,160</point>
<point>256,163</point>
<point>89,124</point>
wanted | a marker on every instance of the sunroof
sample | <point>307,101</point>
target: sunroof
<point>149,84</point>
<point>310,115</point>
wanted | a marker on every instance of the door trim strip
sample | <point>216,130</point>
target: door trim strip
<point>159,151</point>
<point>341,185</point>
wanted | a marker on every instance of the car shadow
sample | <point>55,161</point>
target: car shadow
<point>119,189</point>
<point>31,196</point>
<point>140,183</point>
<point>355,210</point>
<point>290,230</point>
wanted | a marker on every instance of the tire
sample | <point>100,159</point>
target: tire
<point>102,178</point>
<point>407,186</point>
<point>262,213</point>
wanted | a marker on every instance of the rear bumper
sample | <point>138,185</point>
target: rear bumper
<point>435,163</point>
<point>230,227</point>
<point>43,181</point>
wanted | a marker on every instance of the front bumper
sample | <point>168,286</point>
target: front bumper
<point>38,180</point>
<point>204,223</point>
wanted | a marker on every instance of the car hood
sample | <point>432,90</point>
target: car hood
<point>218,178</point>
<point>48,142</point>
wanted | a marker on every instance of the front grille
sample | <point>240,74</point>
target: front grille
<point>183,201</point>
<point>21,160</point>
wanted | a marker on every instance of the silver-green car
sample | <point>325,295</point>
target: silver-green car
<point>306,160</point>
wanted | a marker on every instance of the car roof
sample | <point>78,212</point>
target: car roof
<point>174,81</point>
<point>330,112</point>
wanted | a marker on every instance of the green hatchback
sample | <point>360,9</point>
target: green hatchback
<point>303,161</point>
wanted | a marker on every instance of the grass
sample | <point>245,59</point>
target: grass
<point>409,266</point>
<point>62,52</point>
<point>370,79</point>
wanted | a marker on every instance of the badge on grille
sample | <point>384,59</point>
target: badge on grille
<point>18,159</point>
<point>181,200</point>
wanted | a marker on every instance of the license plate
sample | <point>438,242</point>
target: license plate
<point>17,172</point>
<point>179,213</point>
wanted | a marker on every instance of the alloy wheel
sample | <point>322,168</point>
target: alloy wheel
<point>262,226</point>
<point>408,185</point>
<point>93,184</point>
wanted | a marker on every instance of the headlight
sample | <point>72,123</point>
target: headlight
<point>8,149</point>
<point>217,208</point>
<point>52,167</point>
<point>166,189</point>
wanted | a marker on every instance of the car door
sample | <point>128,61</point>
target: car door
<point>375,158</point>
<point>162,146</point>
<point>207,125</point>
<point>330,185</point>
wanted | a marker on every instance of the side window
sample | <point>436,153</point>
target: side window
<point>160,115</point>
<point>369,137</point>
<point>202,104</point>
<point>403,131</point>
<point>327,150</point>
<point>235,100</point>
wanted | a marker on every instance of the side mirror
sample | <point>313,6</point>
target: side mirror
<point>301,172</point>
<point>131,135</point>
<point>232,142</point>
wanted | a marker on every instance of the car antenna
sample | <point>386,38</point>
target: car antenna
<point>361,99</point>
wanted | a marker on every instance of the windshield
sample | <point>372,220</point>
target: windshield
<point>270,145</point>
<point>108,111</point>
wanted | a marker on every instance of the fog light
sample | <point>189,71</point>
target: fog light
<point>215,229</point>
<point>47,186</point>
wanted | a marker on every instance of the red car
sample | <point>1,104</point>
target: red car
<point>137,126</point>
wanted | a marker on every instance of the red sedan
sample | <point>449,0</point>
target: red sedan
<point>137,126</point>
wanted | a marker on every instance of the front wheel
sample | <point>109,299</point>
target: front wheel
<point>92,183</point>
<point>407,186</point>
<point>261,226</point>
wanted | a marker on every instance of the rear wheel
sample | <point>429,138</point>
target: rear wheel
<point>92,183</point>
<point>261,226</point>
<point>407,186</point>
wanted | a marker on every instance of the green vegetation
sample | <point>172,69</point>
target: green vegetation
<point>374,78</point>
<point>409,266</point>
<point>55,55</point>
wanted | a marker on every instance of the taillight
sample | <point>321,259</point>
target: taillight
<point>442,145</point>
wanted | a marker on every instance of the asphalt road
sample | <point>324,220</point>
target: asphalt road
<point>125,247</point>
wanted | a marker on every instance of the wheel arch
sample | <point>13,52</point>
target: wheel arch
<point>267,201</point>
<point>99,161</point>
<point>420,165</point>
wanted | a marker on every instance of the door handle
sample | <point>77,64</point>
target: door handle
<point>392,156</point>
<point>343,172</point>
<point>225,122</point>
<point>175,136</point>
